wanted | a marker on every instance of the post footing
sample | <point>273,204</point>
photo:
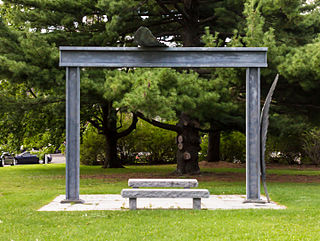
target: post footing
<point>260,201</point>
<point>78,201</point>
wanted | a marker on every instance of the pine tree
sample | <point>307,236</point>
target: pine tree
<point>34,30</point>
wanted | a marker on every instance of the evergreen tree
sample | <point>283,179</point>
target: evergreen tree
<point>170,94</point>
<point>30,56</point>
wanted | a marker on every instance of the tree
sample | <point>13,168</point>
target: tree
<point>184,22</point>
<point>27,109</point>
<point>282,29</point>
<point>109,22</point>
<point>300,68</point>
<point>30,56</point>
<point>29,53</point>
<point>292,29</point>
<point>170,94</point>
<point>100,98</point>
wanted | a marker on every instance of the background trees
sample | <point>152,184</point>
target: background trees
<point>33,85</point>
<point>30,56</point>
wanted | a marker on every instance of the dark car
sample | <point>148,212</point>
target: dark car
<point>6,159</point>
<point>26,158</point>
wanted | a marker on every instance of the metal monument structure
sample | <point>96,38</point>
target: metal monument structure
<point>74,58</point>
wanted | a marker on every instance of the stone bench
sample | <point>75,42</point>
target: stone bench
<point>185,183</point>
<point>133,194</point>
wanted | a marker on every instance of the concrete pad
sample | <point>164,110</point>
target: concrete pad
<point>116,202</point>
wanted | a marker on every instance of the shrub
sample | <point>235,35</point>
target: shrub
<point>92,148</point>
<point>204,148</point>
<point>158,145</point>
<point>311,145</point>
<point>43,151</point>
<point>233,147</point>
<point>285,139</point>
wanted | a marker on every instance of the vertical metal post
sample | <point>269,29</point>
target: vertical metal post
<point>253,135</point>
<point>72,135</point>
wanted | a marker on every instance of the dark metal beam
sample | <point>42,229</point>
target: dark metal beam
<point>162,57</point>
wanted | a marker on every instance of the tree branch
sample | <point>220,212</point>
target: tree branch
<point>167,11</point>
<point>32,93</point>
<point>159,124</point>
<point>119,127</point>
<point>207,19</point>
<point>96,125</point>
<point>186,15</point>
<point>130,128</point>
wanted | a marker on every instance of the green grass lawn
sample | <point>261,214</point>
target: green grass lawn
<point>24,189</point>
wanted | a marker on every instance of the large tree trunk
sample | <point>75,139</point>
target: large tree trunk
<point>213,154</point>
<point>111,160</point>
<point>188,141</point>
<point>109,116</point>
<point>190,32</point>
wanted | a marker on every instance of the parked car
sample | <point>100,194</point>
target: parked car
<point>6,159</point>
<point>26,158</point>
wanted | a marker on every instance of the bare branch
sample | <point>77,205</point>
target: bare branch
<point>186,15</point>
<point>130,128</point>
<point>167,11</point>
<point>96,125</point>
<point>159,124</point>
<point>207,19</point>
<point>32,93</point>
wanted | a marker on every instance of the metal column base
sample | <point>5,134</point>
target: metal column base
<point>79,201</point>
<point>255,201</point>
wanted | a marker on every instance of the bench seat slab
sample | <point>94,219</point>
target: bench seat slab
<point>186,183</point>
<point>165,193</point>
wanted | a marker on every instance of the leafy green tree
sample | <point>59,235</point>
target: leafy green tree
<point>301,70</point>
<point>294,55</point>
<point>170,94</point>
<point>28,106</point>
<point>289,33</point>
<point>92,148</point>
<point>29,55</point>
<point>29,51</point>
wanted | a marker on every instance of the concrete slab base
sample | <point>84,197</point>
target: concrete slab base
<point>116,202</point>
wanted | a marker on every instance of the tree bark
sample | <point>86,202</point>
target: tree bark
<point>190,32</point>
<point>188,141</point>
<point>213,154</point>
<point>111,160</point>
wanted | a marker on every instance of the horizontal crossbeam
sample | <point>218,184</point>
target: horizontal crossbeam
<point>185,57</point>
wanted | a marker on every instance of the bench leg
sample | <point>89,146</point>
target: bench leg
<point>132,203</point>
<point>197,203</point>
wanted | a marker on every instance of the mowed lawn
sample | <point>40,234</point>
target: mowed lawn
<point>24,189</point>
